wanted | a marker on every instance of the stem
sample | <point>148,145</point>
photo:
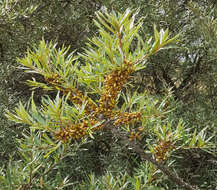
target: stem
<point>139,150</point>
<point>165,169</point>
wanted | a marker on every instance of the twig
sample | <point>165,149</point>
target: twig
<point>140,151</point>
<point>165,169</point>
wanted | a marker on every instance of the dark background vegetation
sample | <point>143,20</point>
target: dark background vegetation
<point>190,71</point>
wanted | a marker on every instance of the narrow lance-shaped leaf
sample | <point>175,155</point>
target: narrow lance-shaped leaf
<point>193,140</point>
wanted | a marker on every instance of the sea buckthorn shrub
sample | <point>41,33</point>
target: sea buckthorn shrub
<point>94,95</point>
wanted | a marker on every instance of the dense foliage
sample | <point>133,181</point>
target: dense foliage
<point>108,112</point>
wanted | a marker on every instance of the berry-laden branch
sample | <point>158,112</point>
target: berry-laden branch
<point>76,96</point>
<point>75,115</point>
<point>112,86</point>
<point>134,145</point>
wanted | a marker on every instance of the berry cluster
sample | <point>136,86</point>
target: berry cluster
<point>127,118</point>
<point>54,80</point>
<point>162,149</point>
<point>112,87</point>
<point>75,96</point>
<point>134,135</point>
<point>75,131</point>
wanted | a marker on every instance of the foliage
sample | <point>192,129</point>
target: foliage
<point>23,24</point>
<point>95,97</point>
<point>175,84</point>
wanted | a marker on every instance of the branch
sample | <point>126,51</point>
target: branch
<point>165,169</point>
<point>140,151</point>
